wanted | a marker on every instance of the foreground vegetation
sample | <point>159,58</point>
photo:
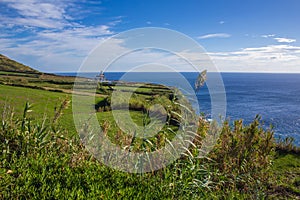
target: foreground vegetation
<point>43,158</point>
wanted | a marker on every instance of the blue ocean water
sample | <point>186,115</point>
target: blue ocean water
<point>275,97</point>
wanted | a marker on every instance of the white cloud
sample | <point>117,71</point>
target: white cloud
<point>54,42</point>
<point>268,36</point>
<point>279,39</point>
<point>34,22</point>
<point>40,10</point>
<point>57,50</point>
<point>37,13</point>
<point>284,40</point>
<point>215,35</point>
<point>221,22</point>
<point>46,32</point>
<point>273,58</point>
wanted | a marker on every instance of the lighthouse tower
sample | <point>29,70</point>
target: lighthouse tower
<point>101,77</point>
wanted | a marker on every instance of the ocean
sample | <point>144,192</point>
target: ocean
<point>275,97</point>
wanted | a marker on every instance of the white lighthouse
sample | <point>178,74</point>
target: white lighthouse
<point>101,78</point>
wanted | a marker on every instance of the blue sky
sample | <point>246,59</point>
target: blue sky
<point>243,36</point>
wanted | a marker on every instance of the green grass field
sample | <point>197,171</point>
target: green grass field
<point>43,104</point>
<point>39,164</point>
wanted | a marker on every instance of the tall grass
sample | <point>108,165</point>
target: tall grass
<point>38,162</point>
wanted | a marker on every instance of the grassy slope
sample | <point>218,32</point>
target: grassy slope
<point>18,74</point>
<point>7,64</point>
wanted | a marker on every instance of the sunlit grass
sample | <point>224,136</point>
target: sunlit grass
<point>48,161</point>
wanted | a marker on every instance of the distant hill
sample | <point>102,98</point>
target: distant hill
<point>7,64</point>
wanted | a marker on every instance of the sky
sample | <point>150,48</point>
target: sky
<point>238,35</point>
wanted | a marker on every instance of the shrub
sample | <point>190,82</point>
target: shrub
<point>243,155</point>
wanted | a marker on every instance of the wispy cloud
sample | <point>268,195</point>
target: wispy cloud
<point>49,33</point>
<point>276,58</point>
<point>279,39</point>
<point>284,40</point>
<point>215,35</point>
<point>268,36</point>
<point>273,58</point>
<point>36,13</point>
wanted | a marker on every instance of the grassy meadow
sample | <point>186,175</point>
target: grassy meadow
<point>42,156</point>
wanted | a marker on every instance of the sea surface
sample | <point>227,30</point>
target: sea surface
<point>275,97</point>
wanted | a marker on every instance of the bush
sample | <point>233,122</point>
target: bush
<point>243,156</point>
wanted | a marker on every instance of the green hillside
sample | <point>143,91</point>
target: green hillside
<point>7,64</point>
